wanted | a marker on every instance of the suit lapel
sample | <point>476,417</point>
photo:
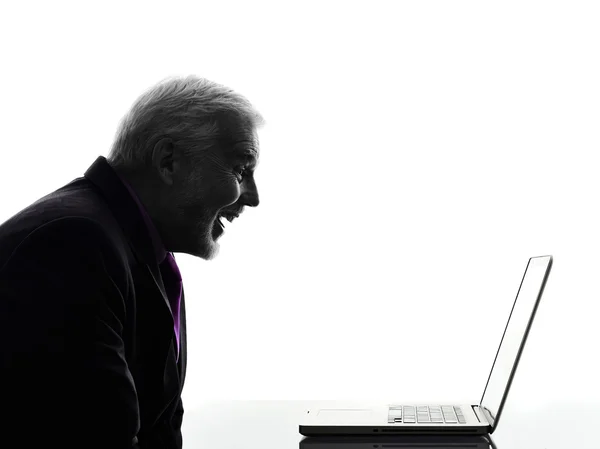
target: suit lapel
<point>182,364</point>
<point>157,330</point>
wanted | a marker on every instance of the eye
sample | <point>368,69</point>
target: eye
<point>239,171</point>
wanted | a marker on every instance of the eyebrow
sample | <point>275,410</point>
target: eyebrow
<point>246,155</point>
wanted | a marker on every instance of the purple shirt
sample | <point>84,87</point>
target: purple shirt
<point>173,291</point>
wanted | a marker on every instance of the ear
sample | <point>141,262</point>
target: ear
<point>163,159</point>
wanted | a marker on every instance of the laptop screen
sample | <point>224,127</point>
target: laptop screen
<point>515,334</point>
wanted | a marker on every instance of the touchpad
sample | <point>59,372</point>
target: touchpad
<point>346,415</point>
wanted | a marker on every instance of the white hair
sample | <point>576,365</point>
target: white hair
<point>191,111</point>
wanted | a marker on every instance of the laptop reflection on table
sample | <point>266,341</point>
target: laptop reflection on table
<point>398,441</point>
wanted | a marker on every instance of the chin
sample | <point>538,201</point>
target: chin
<point>206,251</point>
<point>212,252</point>
<point>205,244</point>
<point>208,247</point>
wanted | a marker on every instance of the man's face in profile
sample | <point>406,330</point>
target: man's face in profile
<point>216,184</point>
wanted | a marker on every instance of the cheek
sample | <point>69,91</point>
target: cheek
<point>225,191</point>
<point>233,193</point>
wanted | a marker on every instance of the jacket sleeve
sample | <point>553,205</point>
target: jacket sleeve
<point>64,378</point>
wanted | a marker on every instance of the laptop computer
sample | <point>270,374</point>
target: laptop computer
<point>437,418</point>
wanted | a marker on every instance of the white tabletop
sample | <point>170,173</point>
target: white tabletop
<point>274,425</point>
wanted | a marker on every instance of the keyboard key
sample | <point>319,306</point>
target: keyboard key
<point>394,415</point>
<point>424,414</point>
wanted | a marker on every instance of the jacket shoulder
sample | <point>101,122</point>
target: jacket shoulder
<point>74,217</point>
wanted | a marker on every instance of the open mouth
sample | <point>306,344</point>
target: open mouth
<point>224,217</point>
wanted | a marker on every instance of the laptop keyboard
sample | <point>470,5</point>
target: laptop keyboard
<point>433,414</point>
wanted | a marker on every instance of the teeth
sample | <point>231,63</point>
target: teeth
<point>229,219</point>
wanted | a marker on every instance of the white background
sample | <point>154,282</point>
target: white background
<point>416,154</point>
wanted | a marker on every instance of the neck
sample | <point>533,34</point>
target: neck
<point>142,186</point>
<point>146,193</point>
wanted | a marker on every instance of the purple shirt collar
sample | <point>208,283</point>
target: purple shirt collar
<point>159,248</point>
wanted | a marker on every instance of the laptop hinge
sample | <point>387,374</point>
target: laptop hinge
<point>482,416</point>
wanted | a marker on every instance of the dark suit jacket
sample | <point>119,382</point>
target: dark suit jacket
<point>87,345</point>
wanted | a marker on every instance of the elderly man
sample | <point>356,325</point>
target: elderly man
<point>92,314</point>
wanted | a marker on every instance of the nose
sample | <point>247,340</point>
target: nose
<point>249,194</point>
